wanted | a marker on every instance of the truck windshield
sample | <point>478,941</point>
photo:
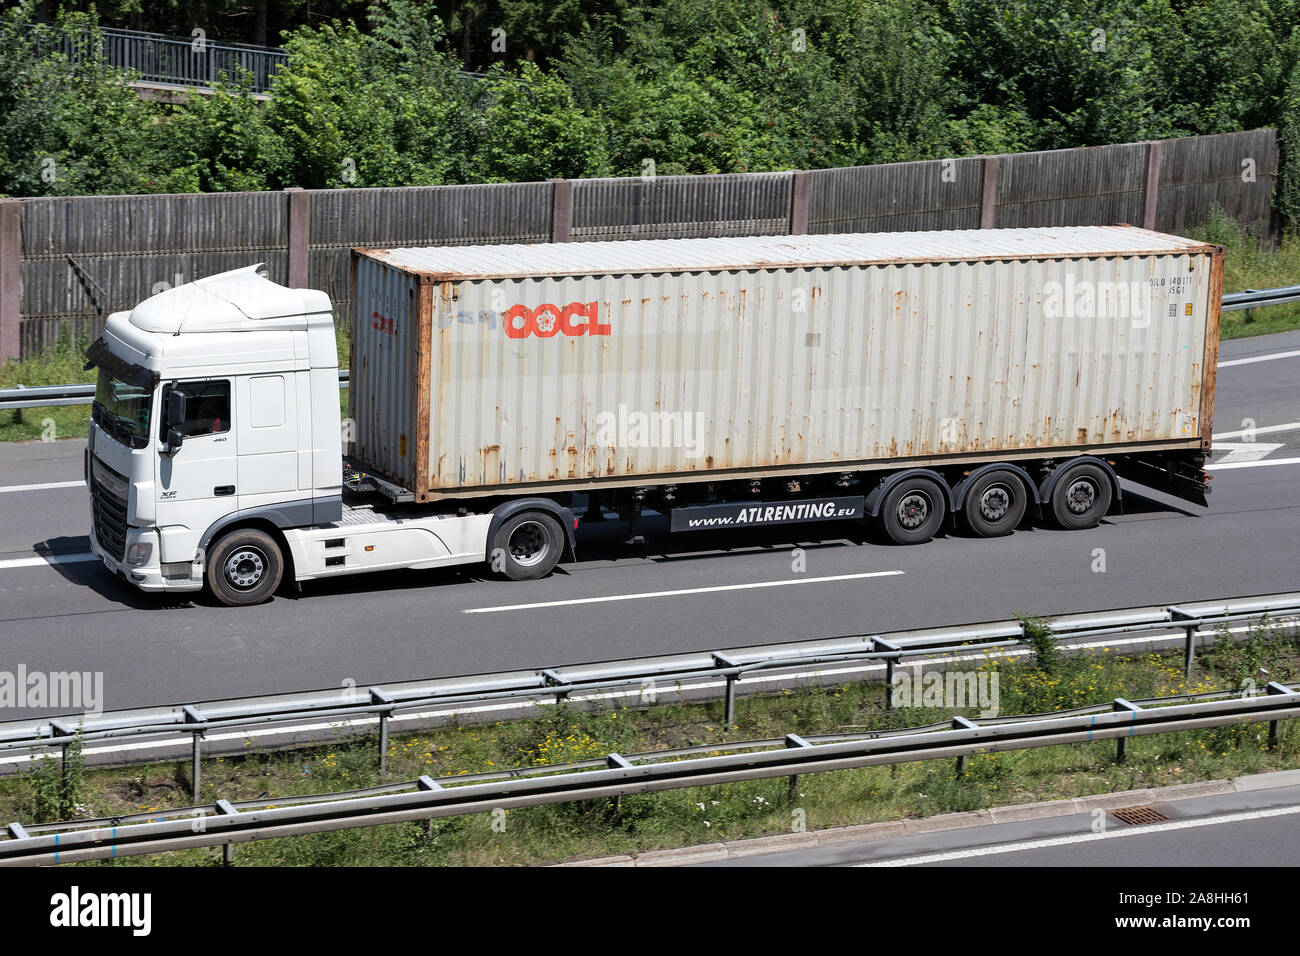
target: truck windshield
<point>122,409</point>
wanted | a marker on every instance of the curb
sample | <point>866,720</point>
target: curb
<point>1266,781</point>
<point>1017,813</point>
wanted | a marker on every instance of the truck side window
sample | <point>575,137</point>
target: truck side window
<point>207,407</point>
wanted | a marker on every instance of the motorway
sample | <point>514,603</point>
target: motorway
<point>61,612</point>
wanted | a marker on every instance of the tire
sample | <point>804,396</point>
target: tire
<point>527,545</point>
<point>244,567</point>
<point>913,511</point>
<point>995,504</point>
<point>1081,497</point>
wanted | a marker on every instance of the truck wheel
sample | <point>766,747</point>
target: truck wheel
<point>1081,498</point>
<point>995,504</point>
<point>913,511</point>
<point>527,545</point>
<point>245,567</point>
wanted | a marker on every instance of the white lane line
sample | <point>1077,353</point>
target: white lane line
<point>44,487</point>
<point>1259,358</point>
<point>637,693</point>
<point>47,559</point>
<point>1084,838</point>
<point>655,594</point>
<point>1266,430</point>
<point>1234,452</point>
<point>1253,464</point>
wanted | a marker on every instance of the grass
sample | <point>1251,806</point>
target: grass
<point>707,814</point>
<point>1254,264</point>
<point>59,365</point>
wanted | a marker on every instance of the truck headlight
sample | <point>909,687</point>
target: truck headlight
<point>139,554</point>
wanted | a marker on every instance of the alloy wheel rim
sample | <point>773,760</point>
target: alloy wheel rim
<point>528,544</point>
<point>1081,496</point>
<point>913,510</point>
<point>245,568</point>
<point>995,503</point>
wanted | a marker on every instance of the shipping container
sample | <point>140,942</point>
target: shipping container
<point>489,370</point>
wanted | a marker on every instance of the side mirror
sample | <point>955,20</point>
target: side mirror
<point>176,401</point>
<point>175,408</point>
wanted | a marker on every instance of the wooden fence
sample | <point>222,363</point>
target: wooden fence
<point>66,263</point>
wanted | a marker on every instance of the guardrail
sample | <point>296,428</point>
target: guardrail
<point>1259,298</point>
<point>688,672</point>
<point>616,775</point>
<point>23,397</point>
<point>51,396</point>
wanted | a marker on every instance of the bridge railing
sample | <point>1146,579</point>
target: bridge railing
<point>172,60</point>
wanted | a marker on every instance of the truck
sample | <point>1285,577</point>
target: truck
<point>499,396</point>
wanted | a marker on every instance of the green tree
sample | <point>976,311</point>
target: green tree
<point>69,125</point>
<point>384,109</point>
<point>536,31</point>
<point>240,21</point>
<point>1083,72</point>
<point>534,130</point>
<point>218,142</point>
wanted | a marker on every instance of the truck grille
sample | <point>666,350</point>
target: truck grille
<point>110,518</point>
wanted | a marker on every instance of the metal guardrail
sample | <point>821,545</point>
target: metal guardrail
<point>1258,298</point>
<point>687,671</point>
<point>615,775</point>
<point>54,395</point>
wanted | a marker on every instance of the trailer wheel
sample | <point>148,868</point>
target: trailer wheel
<point>995,504</point>
<point>527,545</point>
<point>244,567</point>
<point>1081,497</point>
<point>913,511</point>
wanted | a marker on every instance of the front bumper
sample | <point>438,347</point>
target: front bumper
<point>150,576</point>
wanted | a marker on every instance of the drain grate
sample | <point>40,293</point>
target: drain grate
<point>1135,816</point>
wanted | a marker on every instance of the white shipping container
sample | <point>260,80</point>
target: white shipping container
<point>514,368</point>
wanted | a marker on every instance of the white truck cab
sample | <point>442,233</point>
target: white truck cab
<point>215,455</point>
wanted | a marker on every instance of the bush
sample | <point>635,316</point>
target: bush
<point>57,786</point>
<point>1038,634</point>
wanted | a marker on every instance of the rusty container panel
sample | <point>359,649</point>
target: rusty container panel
<point>384,376</point>
<point>678,359</point>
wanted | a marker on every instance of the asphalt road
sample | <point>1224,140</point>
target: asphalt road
<point>1254,828</point>
<point>152,650</point>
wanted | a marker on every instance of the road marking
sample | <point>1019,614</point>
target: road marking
<point>1254,464</point>
<point>45,487</point>
<point>1266,430</point>
<point>1245,451</point>
<point>655,594</point>
<point>47,559</point>
<point>1083,838</point>
<point>1259,358</point>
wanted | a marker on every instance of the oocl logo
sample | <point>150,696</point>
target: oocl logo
<point>546,320</point>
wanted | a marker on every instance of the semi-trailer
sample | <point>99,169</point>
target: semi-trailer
<point>981,378</point>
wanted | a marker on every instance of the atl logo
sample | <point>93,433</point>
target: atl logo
<point>546,320</point>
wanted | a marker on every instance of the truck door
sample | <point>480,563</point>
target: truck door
<point>268,439</point>
<point>197,483</point>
